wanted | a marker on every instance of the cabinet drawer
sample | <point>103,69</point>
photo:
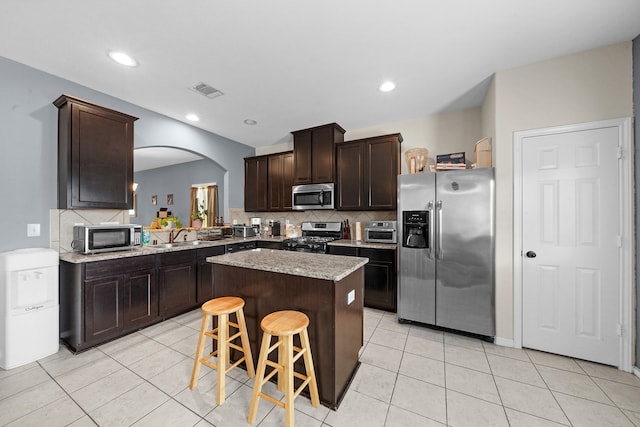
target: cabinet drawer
<point>203,253</point>
<point>177,257</point>
<point>388,255</point>
<point>119,266</point>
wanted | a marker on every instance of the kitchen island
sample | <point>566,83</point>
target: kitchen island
<point>327,288</point>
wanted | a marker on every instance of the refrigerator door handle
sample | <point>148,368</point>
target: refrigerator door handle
<point>439,248</point>
<point>431,230</point>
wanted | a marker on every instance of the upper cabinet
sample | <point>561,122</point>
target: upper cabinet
<point>95,156</point>
<point>367,173</point>
<point>268,182</point>
<point>255,184</point>
<point>280,181</point>
<point>313,151</point>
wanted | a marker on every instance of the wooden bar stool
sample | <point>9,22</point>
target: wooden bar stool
<point>222,307</point>
<point>284,325</point>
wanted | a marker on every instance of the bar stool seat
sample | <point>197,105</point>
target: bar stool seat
<point>221,308</point>
<point>284,325</point>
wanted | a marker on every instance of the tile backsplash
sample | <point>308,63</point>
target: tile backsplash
<point>63,220</point>
<point>242,217</point>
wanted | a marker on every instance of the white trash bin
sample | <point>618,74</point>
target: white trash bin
<point>29,309</point>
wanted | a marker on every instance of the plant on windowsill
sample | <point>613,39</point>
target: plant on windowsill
<point>198,216</point>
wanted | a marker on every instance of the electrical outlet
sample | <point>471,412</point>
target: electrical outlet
<point>33,230</point>
<point>351,296</point>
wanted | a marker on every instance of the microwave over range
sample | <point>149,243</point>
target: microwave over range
<point>313,196</point>
<point>93,239</point>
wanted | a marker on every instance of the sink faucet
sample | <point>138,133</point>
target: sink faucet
<point>172,237</point>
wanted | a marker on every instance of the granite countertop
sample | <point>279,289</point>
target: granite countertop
<point>362,244</point>
<point>78,258</point>
<point>317,266</point>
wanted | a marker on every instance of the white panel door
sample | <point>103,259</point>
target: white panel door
<point>570,241</point>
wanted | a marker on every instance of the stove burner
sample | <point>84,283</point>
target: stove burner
<point>315,236</point>
<point>313,244</point>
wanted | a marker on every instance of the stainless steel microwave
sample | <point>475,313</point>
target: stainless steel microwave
<point>93,239</point>
<point>381,231</point>
<point>313,196</point>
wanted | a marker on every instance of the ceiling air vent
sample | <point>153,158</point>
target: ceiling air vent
<point>206,90</point>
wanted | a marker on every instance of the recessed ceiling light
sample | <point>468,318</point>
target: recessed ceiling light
<point>122,58</point>
<point>387,86</point>
<point>192,117</point>
<point>250,122</point>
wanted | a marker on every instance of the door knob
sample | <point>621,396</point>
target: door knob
<point>530,254</point>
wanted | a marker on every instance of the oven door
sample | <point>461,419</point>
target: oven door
<point>380,235</point>
<point>313,196</point>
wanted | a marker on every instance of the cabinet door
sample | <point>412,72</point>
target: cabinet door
<point>350,174</point>
<point>140,299</point>
<point>104,316</point>
<point>287,181</point>
<point>380,283</point>
<point>177,282</point>
<point>280,181</point>
<point>381,174</point>
<point>302,157</point>
<point>275,183</point>
<point>322,155</point>
<point>255,184</point>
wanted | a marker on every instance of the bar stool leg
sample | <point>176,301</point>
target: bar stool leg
<point>287,362</point>
<point>308,364</point>
<point>259,379</point>
<point>223,356</point>
<point>206,319</point>
<point>244,337</point>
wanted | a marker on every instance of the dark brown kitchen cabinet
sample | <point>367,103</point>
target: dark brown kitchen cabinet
<point>103,300</point>
<point>314,153</point>
<point>255,184</point>
<point>280,181</point>
<point>380,283</point>
<point>95,156</point>
<point>177,282</point>
<point>367,173</point>
<point>380,279</point>
<point>206,285</point>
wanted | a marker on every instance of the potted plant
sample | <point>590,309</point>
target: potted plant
<point>199,216</point>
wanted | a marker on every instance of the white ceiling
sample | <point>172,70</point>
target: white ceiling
<point>292,64</point>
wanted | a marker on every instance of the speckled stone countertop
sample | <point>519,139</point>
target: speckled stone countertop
<point>78,258</point>
<point>317,266</point>
<point>362,244</point>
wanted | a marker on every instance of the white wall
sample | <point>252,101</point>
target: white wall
<point>441,134</point>
<point>588,86</point>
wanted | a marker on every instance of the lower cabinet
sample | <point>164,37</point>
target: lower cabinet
<point>176,282</point>
<point>380,280</point>
<point>206,286</point>
<point>103,300</point>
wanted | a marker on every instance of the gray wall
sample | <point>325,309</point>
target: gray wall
<point>176,180</point>
<point>636,111</point>
<point>28,140</point>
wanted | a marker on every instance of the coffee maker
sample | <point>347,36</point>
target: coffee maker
<point>256,223</point>
<point>274,228</point>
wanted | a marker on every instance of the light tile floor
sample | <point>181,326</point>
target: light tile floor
<point>409,376</point>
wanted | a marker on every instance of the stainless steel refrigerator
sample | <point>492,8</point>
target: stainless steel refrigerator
<point>446,221</point>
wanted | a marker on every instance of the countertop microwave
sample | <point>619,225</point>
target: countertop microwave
<point>93,239</point>
<point>313,196</point>
<point>381,231</point>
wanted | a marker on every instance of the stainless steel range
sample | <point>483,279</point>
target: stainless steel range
<point>315,236</point>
